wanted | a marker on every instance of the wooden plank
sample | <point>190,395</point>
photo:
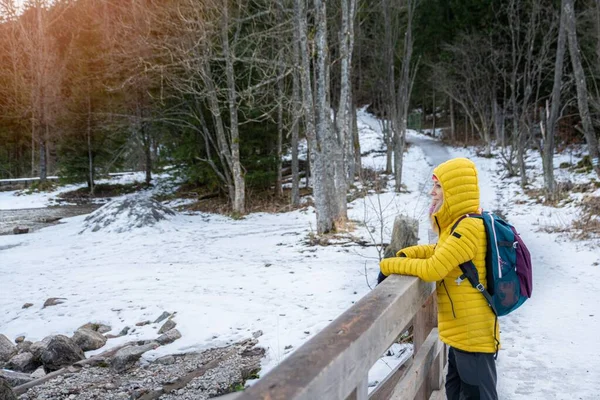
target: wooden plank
<point>409,386</point>
<point>438,395</point>
<point>425,321</point>
<point>362,390</point>
<point>384,390</point>
<point>330,365</point>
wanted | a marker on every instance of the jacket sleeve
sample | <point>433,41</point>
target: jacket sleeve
<point>458,248</point>
<point>421,251</point>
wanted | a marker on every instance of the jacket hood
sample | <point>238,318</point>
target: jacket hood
<point>460,185</point>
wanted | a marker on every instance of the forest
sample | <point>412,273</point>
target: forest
<point>225,91</point>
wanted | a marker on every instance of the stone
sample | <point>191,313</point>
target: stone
<point>165,360</point>
<point>53,301</point>
<point>143,323</point>
<point>27,305</point>
<point>23,362</point>
<point>257,334</point>
<point>170,324</point>
<point>126,357</point>
<point>38,373</point>
<point>24,346</point>
<point>7,349</point>
<point>19,339</point>
<point>38,348</point>
<point>96,327</point>
<point>162,317</point>
<point>124,331</point>
<point>17,230</point>
<point>14,378</point>
<point>6,392</point>
<point>61,352</point>
<point>88,339</point>
<point>169,337</point>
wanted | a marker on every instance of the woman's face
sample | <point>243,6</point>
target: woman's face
<point>437,195</point>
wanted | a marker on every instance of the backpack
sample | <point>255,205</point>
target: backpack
<point>508,265</point>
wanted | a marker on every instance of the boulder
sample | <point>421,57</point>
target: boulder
<point>96,327</point>
<point>38,373</point>
<point>88,339</point>
<point>23,362</point>
<point>54,301</point>
<point>169,337</point>
<point>14,378</point>
<point>7,349</point>
<point>61,352</point>
<point>6,392</point>
<point>170,324</point>
<point>24,346</point>
<point>128,356</point>
<point>38,348</point>
<point>17,230</point>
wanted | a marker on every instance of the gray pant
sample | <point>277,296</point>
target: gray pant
<point>471,376</point>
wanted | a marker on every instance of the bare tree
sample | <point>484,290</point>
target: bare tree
<point>325,152</point>
<point>581,85</point>
<point>548,123</point>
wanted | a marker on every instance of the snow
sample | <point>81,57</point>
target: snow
<point>227,278</point>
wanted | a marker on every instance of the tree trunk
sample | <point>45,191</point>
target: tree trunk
<point>452,120</point>
<point>91,184</point>
<point>296,115</point>
<point>582,92</point>
<point>403,99</point>
<point>356,142</point>
<point>552,113</point>
<point>433,122</point>
<point>238,177</point>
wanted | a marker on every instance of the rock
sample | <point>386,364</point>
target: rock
<point>96,327</point>
<point>170,324</point>
<point>22,362</point>
<point>88,339</point>
<point>17,230</point>
<point>6,392</point>
<point>14,378</point>
<point>24,346</point>
<point>128,356</point>
<point>162,317</point>
<point>143,323</point>
<point>19,339</point>
<point>257,334</point>
<point>124,331</point>
<point>27,305</point>
<point>7,349</point>
<point>38,373</point>
<point>38,348</point>
<point>166,360</point>
<point>53,301</point>
<point>61,352</point>
<point>169,337</point>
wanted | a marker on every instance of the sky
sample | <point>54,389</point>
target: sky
<point>227,279</point>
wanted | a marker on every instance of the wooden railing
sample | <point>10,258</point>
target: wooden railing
<point>334,364</point>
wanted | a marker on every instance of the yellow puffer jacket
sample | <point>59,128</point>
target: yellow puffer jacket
<point>465,321</point>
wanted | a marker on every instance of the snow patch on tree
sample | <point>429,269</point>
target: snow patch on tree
<point>124,215</point>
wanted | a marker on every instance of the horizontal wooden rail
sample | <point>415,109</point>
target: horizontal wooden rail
<point>334,364</point>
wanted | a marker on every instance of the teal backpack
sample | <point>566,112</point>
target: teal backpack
<point>509,275</point>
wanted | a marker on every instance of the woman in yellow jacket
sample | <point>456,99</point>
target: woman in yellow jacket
<point>465,320</point>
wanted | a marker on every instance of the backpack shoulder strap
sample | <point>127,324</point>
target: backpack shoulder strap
<point>474,215</point>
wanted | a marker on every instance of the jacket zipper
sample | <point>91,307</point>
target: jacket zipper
<point>450,298</point>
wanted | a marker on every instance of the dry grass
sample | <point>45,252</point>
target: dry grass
<point>588,225</point>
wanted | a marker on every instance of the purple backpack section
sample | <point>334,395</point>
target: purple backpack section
<point>524,270</point>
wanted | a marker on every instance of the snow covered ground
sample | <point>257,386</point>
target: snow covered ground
<point>229,278</point>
